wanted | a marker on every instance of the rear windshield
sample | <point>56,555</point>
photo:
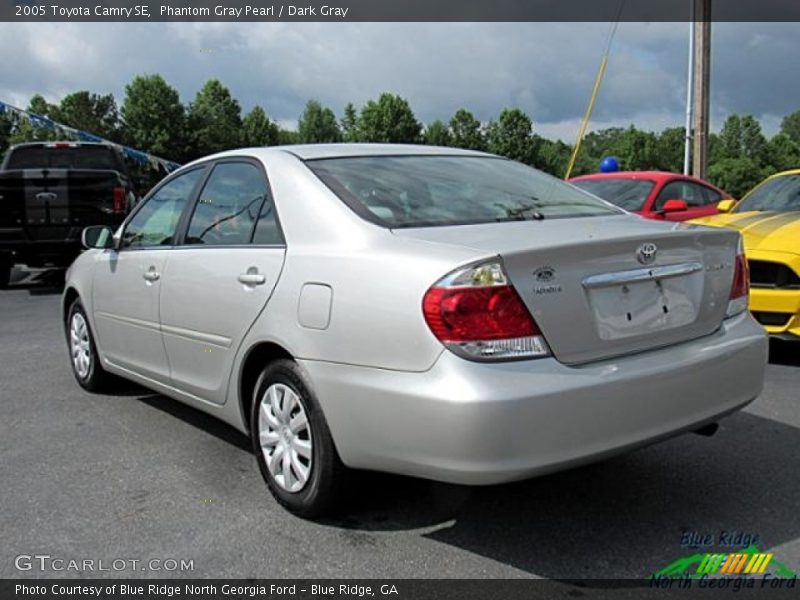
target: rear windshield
<point>629,194</point>
<point>419,191</point>
<point>81,157</point>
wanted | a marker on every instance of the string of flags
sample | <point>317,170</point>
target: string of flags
<point>138,156</point>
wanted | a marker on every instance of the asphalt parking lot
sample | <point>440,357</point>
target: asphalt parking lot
<point>139,476</point>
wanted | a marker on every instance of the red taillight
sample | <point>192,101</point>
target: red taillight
<point>476,313</point>
<point>741,283</point>
<point>740,287</point>
<point>119,200</point>
<point>472,314</point>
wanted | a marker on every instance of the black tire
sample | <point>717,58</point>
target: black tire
<point>94,379</point>
<point>326,480</point>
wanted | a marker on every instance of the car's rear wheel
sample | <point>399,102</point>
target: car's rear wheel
<point>292,442</point>
<point>86,366</point>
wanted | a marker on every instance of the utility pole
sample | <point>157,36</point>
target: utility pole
<point>687,141</point>
<point>702,72</point>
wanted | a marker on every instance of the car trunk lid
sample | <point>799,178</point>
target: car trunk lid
<point>593,287</point>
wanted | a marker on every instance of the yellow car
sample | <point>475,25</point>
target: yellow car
<point>769,219</point>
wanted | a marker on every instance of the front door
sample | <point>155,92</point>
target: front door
<point>127,282</point>
<point>220,278</point>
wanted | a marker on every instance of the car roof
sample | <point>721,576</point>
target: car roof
<point>783,173</point>
<point>316,151</point>
<point>657,175</point>
<point>52,143</point>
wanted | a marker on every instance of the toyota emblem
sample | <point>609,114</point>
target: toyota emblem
<point>646,254</point>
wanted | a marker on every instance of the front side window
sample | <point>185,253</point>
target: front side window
<point>629,194</point>
<point>229,206</point>
<point>779,194</point>
<point>421,191</point>
<point>156,222</point>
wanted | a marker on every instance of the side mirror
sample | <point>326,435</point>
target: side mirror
<point>726,205</point>
<point>97,236</point>
<point>674,205</point>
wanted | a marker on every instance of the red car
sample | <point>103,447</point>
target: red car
<point>655,194</point>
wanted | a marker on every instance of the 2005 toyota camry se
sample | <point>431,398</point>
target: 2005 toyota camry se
<point>440,313</point>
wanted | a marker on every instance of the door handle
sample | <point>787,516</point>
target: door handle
<point>151,275</point>
<point>252,278</point>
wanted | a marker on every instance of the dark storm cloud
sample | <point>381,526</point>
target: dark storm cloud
<point>546,69</point>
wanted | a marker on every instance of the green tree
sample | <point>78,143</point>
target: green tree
<point>215,120</point>
<point>154,120</point>
<point>551,156</point>
<point>258,130</point>
<point>669,148</point>
<point>89,112</point>
<point>317,125</point>
<point>438,134</point>
<point>23,131</point>
<point>390,120</point>
<point>783,152</point>
<point>350,124</point>
<point>286,137</point>
<point>5,133</point>
<point>512,136</point>
<point>736,175</point>
<point>790,126</point>
<point>741,137</point>
<point>39,106</point>
<point>467,131</point>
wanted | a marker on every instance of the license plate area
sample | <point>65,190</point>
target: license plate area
<point>644,307</point>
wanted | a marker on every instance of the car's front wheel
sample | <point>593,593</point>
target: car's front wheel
<point>293,444</point>
<point>86,366</point>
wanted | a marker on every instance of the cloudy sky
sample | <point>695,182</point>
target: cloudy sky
<point>547,69</point>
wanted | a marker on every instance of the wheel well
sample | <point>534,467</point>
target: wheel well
<point>257,357</point>
<point>70,295</point>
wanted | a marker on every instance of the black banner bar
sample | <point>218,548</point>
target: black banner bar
<point>392,11</point>
<point>401,589</point>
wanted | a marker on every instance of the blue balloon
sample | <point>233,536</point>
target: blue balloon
<point>609,164</point>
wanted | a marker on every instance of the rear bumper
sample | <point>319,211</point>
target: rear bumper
<point>482,423</point>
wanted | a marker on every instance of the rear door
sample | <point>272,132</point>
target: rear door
<point>128,281</point>
<point>220,278</point>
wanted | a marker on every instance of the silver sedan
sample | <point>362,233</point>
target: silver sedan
<point>434,312</point>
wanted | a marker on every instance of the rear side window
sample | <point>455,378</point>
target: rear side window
<point>268,232</point>
<point>157,220</point>
<point>78,157</point>
<point>417,191</point>
<point>229,206</point>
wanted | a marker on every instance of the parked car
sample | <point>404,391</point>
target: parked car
<point>50,191</point>
<point>655,194</point>
<point>435,312</point>
<point>768,218</point>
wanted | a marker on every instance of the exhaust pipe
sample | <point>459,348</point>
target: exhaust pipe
<point>707,430</point>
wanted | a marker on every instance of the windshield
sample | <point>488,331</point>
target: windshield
<point>629,194</point>
<point>418,191</point>
<point>71,157</point>
<point>779,194</point>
